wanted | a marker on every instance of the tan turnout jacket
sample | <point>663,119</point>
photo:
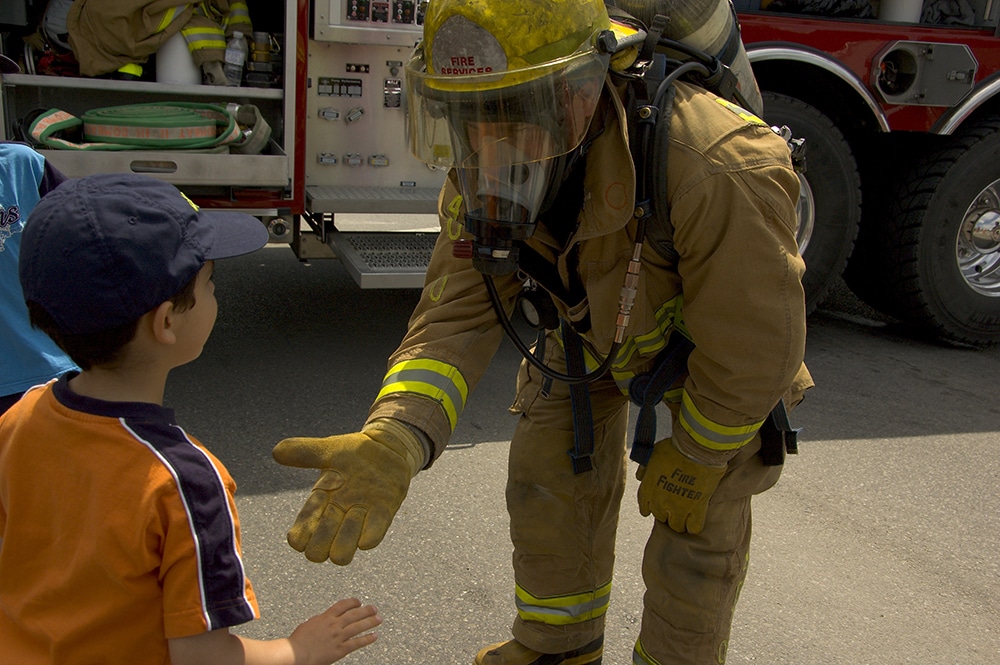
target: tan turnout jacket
<point>736,290</point>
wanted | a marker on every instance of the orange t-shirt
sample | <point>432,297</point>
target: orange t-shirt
<point>119,532</point>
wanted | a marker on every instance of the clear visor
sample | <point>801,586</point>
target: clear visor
<point>498,120</point>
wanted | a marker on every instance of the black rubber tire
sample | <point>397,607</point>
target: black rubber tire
<point>922,282</point>
<point>833,180</point>
<point>867,271</point>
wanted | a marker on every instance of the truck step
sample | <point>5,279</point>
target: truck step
<point>363,199</point>
<point>392,260</point>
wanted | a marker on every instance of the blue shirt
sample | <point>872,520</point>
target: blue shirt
<point>27,355</point>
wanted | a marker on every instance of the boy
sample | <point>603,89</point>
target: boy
<point>119,540</point>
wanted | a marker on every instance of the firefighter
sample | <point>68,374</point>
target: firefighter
<point>527,104</point>
<point>117,37</point>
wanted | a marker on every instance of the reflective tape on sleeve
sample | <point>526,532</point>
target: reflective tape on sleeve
<point>433,379</point>
<point>711,434</point>
<point>204,37</point>
<point>239,18</point>
<point>168,17</point>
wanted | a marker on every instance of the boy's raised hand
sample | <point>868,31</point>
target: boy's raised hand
<point>341,629</point>
<point>323,639</point>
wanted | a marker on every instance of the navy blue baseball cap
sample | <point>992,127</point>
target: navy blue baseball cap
<point>100,251</point>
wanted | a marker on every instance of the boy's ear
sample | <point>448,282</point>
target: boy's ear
<point>162,323</point>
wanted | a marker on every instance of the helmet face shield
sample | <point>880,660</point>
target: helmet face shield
<point>559,97</point>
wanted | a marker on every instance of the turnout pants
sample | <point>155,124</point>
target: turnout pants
<point>563,530</point>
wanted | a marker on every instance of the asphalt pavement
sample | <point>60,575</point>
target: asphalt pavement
<point>877,546</point>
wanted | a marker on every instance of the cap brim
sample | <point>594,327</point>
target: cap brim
<point>8,66</point>
<point>233,234</point>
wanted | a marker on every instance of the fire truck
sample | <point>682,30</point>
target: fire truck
<point>896,102</point>
<point>324,77</point>
<point>901,121</point>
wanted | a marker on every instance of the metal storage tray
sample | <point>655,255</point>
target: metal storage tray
<point>179,167</point>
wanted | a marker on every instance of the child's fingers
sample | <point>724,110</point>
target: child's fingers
<point>342,606</point>
<point>356,643</point>
<point>361,619</point>
<point>349,612</point>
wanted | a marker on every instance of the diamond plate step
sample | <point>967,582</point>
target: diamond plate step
<point>384,260</point>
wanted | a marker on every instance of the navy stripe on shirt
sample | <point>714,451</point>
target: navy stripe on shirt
<point>212,524</point>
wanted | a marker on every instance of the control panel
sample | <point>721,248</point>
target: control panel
<point>395,22</point>
<point>356,131</point>
<point>357,158</point>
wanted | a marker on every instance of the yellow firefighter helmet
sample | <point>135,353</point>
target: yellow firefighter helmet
<point>505,61</point>
<point>469,37</point>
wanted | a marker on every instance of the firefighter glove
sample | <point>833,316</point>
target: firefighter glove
<point>676,489</point>
<point>365,477</point>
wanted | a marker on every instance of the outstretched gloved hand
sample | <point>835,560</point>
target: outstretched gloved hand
<point>676,489</point>
<point>365,477</point>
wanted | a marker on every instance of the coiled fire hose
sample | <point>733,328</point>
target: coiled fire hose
<point>164,126</point>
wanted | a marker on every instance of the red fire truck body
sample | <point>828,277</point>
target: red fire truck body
<point>901,187</point>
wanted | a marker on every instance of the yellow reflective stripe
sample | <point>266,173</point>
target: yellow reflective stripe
<point>238,15</point>
<point>562,610</point>
<point>433,379</point>
<point>204,37</point>
<point>169,16</point>
<point>741,112</point>
<point>650,343</point>
<point>201,40</point>
<point>711,434</point>
<point>453,226</point>
<point>623,380</point>
<point>238,9</point>
<point>131,68</point>
<point>667,317</point>
<point>668,320</point>
<point>639,655</point>
<point>590,361</point>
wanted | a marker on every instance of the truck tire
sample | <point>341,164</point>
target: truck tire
<point>867,273</point>
<point>829,207</point>
<point>942,240</point>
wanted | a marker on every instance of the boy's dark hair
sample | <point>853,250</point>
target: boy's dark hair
<point>102,348</point>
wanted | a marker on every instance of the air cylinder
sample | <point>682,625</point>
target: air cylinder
<point>902,11</point>
<point>174,63</point>
<point>707,25</point>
